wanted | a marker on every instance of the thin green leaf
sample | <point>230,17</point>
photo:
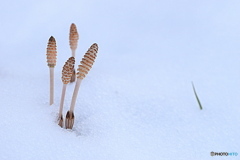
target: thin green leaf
<point>199,103</point>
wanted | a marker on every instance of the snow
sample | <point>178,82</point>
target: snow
<point>137,101</point>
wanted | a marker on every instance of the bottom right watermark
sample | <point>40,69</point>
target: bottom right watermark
<point>223,153</point>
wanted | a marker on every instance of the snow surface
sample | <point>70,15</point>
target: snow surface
<point>137,102</point>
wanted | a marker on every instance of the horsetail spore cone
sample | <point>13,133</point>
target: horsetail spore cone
<point>83,69</point>
<point>66,72</point>
<point>73,38</point>
<point>73,42</point>
<point>66,76</point>
<point>51,60</point>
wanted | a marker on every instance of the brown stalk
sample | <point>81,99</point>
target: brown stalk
<point>51,60</point>
<point>66,76</point>
<point>73,42</point>
<point>83,69</point>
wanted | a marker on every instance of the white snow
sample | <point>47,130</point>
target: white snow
<point>137,101</point>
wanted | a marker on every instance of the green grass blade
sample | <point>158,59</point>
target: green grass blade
<point>199,103</point>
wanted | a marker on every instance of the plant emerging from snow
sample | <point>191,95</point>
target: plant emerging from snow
<point>68,72</point>
<point>73,42</point>
<point>83,69</point>
<point>66,76</point>
<point>51,60</point>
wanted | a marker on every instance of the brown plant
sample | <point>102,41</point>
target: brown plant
<point>83,69</point>
<point>73,42</point>
<point>51,60</point>
<point>67,72</point>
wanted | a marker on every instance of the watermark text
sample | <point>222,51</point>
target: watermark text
<point>223,153</point>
